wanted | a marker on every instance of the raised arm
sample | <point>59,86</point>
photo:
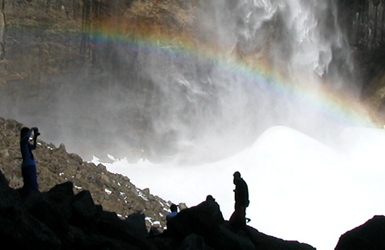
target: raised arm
<point>35,135</point>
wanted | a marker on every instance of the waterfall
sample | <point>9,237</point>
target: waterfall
<point>197,93</point>
<point>213,106</point>
<point>263,87</point>
<point>297,36</point>
<point>274,63</point>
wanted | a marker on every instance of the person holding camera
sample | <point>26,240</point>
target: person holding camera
<point>28,166</point>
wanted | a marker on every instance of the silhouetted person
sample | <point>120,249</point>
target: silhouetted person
<point>174,212</point>
<point>211,202</point>
<point>241,191</point>
<point>28,166</point>
<point>210,198</point>
<point>241,195</point>
<point>170,218</point>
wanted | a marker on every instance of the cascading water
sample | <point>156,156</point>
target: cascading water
<point>297,36</point>
<point>224,97</point>
<point>222,109</point>
<point>243,67</point>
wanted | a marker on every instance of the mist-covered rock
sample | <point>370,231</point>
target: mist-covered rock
<point>178,79</point>
<point>59,76</point>
<point>363,24</point>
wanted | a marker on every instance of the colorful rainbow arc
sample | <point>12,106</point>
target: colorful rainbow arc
<point>342,108</point>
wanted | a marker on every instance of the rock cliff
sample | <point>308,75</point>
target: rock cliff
<point>59,52</point>
<point>50,48</point>
<point>363,25</point>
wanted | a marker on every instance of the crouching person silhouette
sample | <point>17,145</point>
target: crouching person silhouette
<point>28,166</point>
<point>174,212</point>
<point>170,218</point>
<point>241,195</point>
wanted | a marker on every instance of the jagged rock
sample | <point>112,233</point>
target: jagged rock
<point>18,228</point>
<point>79,203</point>
<point>83,206</point>
<point>201,219</point>
<point>369,236</point>
<point>61,219</point>
<point>203,227</point>
<point>137,225</point>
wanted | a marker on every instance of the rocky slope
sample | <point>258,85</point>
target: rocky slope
<point>60,219</point>
<point>83,206</point>
<point>55,166</point>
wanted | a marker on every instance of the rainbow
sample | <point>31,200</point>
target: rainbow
<point>343,108</point>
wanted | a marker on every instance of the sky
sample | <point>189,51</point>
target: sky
<point>300,189</point>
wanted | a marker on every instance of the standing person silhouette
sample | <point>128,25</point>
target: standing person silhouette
<point>241,195</point>
<point>28,166</point>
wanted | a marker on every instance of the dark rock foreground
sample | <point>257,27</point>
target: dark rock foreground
<point>369,236</point>
<point>64,216</point>
<point>61,219</point>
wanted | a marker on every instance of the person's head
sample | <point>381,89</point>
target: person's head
<point>237,176</point>
<point>24,131</point>
<point>173,208</point>
<point>210,198</point>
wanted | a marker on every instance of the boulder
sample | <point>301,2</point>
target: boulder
<point>60,219</point>
<point>203,219</point>
<point>136,224</point>
<point>18,228</point>
<point>369,236</point>
<point>203,227</point>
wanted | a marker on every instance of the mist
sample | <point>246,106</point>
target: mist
<point>297,133</point>
<point>300,189</point>
<point>264,87</point>
<point>241,70</point>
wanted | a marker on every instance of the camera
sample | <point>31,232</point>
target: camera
<point>36,131</point>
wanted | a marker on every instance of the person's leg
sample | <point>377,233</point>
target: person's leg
<point>29,174</point>
<point>237,219</point>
